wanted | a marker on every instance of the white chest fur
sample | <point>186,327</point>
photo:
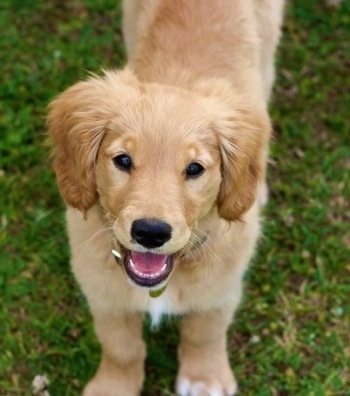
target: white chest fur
<point>158,307</point>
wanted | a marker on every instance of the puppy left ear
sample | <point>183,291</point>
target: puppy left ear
<point>243,138</point>
<point>243,132</point>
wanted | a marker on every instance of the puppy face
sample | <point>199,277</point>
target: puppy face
<point>157,174</point>
<point>156,160</point>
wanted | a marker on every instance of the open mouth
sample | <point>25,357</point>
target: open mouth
<point>148,269</point>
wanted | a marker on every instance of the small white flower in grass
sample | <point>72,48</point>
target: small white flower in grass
<point>312,336</point>
<point>337,311</point>
<point>255,339</point>
<point>39,385</point>
<point>57,54</point>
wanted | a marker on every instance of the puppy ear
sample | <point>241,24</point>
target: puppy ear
<point>76,123</point>
<point>243,132</point>
<point>243,138</point>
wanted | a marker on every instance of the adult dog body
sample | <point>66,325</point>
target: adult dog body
<point>164,162</point>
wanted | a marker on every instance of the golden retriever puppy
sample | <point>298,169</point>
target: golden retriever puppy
<point>161,166</point>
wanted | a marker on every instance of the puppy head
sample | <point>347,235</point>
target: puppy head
<point>157,160</point>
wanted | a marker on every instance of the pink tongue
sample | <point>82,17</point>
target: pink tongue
<point>148,263</point>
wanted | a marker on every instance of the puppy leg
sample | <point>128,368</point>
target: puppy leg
<point>269,14</point>
<point>131,11</point>
<point>121,370</point>
<point>204,366</point>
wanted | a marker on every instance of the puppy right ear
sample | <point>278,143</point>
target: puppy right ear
<point>75,131</point>
<point>77,121</point>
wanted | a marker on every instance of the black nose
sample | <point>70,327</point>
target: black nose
<point>150,233</point>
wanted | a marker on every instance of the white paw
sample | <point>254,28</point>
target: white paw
<point>185,387</point>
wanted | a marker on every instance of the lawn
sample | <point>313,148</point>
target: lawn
<point>292,333</point>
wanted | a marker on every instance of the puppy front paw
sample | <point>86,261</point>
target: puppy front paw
<point>186,386</point>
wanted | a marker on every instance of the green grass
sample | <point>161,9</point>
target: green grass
<point>292,333</point>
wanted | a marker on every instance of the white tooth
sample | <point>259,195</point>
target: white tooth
<point>116,254</point>
<point>146,275</point>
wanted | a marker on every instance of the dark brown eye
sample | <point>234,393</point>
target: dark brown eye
<point>123,162</point>
<point>194,170</point>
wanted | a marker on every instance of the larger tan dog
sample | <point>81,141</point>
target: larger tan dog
<point>163,162</point>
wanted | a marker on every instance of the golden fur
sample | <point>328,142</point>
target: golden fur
<point>194,91</point>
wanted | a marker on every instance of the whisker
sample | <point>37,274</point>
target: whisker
<point>107,213</point>
<point>205,250</point>
<point>106,228</point>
